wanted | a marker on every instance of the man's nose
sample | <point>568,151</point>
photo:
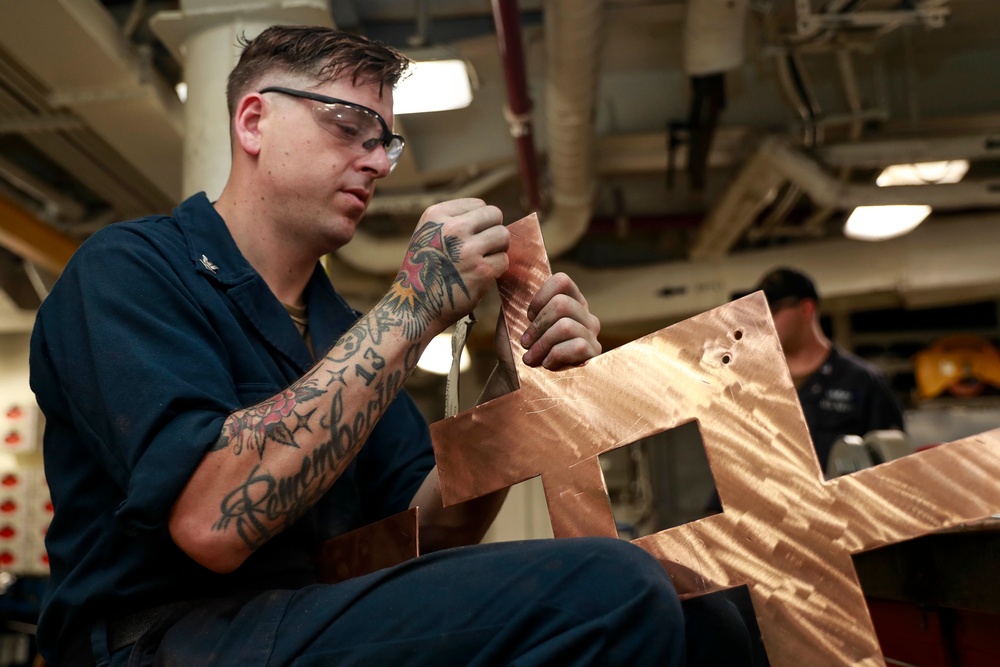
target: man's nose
<point>377,161</point>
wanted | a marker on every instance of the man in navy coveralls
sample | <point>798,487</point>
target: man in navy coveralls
<point>215,411</point>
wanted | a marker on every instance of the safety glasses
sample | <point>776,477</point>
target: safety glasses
<point>357,127</point>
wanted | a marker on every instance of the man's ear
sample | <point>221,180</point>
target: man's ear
<point>247,122</point>
<point>809,306</point>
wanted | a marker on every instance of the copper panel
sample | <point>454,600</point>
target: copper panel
<point>784,531</point>
<point>370,548</point>
<point>578,501</point>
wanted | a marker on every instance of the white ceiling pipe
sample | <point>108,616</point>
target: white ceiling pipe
<point>379,254</point>
<point>826,190</point>
<point>875,154</point>
<point>776,162</point>
<point>574,31</point>
<point>210,54</point>
<point>203,36</point>
<point>952,260</point>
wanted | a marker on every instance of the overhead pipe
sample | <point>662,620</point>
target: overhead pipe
<point>380,255</point>
<point>415,204</point>
<point>927,266</point>
<point>573,38</point>
<point>776,163</point>
<point>518,111</point>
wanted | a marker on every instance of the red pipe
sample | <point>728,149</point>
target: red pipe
<point>508,25</point>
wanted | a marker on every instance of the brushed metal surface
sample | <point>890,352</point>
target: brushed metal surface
<point>784,531</point>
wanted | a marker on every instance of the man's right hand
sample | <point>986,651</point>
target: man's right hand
<point>456,253</point>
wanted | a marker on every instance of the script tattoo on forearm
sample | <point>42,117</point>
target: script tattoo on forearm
<point>252,428</point>
<point>264,504</point>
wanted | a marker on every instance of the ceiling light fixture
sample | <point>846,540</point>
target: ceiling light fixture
<point>923,173</point>
<point>878,223</point>
<point>437,357</point>
<point>433,85</point>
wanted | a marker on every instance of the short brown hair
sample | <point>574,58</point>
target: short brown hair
<point>318,53</point>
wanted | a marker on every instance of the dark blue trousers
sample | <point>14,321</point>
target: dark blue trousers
<point>585,601</point>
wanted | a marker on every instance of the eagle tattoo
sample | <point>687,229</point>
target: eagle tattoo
<point>427,277</point>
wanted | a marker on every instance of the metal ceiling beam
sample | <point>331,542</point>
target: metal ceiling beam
<point>776,162</point>
<point>951,260</point>
<point>30,238</point>
<point>75,50</point>
<point>28,75</point>
<point>57,204</point>
<point>574,32</point>
<point>877,154</point>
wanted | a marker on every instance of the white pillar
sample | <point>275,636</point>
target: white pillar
<point>203,36</point>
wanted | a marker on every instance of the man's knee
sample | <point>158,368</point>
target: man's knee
<point>618,573</point>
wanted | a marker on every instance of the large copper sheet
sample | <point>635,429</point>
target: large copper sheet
<point>379,545</point>
<point>784,531</point>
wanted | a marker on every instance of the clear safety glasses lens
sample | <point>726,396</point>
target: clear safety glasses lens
<point>394,150</point>
<point>358,129</point>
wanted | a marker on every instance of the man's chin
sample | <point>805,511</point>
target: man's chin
<point>342,234</point>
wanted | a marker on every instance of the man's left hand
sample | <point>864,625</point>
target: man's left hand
<point>562,330</point>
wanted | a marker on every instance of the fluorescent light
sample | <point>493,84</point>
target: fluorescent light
<point>433,85</point>
<point>923,173</point>
<point>878,223</point>
<point>437,357</point>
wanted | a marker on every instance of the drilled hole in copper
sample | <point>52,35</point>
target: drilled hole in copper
<point>737,334</point>
<point>726,358</point>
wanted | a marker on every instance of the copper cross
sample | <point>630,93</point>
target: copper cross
<point>784,531</point>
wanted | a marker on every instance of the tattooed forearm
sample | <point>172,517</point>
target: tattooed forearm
<point>426,279</point>
<point>264,505</point>
<point>252,428</point>
<point>343,396</point>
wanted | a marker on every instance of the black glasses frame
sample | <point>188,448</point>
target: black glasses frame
<point>387,137</point>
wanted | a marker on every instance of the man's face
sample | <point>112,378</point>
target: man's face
<point>790,321</point>
<point>317,185</point>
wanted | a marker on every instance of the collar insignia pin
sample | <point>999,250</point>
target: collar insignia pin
<point>207,263</point>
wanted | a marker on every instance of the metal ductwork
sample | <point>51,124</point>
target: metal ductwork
<point>574,40</point>
<point>574,35</point>
<point>952,260</point>
<point>776,163</point>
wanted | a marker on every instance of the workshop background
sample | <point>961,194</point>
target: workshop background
<point>674,151</point>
